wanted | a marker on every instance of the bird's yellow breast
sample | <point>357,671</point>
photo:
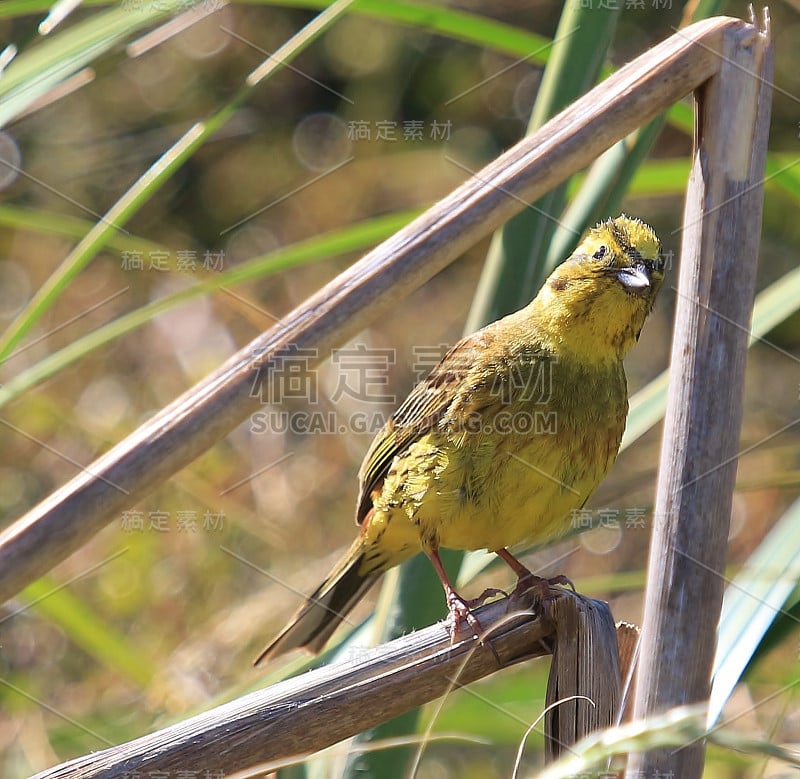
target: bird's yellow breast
<point>515,479</point>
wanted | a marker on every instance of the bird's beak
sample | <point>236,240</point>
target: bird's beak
<point>636,278</point>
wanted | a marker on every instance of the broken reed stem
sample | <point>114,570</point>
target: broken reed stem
<point>305,714</point>
<point>722,228</point>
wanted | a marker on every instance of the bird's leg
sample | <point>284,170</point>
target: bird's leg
<point>458,607</point>
<point>527,580</point>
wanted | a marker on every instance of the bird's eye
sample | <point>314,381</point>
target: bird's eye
<point>600,253</point>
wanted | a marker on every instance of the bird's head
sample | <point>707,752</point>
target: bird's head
<point>599,298</point>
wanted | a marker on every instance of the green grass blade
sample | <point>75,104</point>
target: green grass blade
<point>674,728</point>
<point>56,58</point>
<point>663,177</point>
<point>51,223</point>
<point>627,168</point>
<point>450,22</point>
<point>783,627</point>
<point>647,409</point>
<point>12,8</point>
<point>782,170</point>
<point>753,600</point>
<point>88,631</point>
<point>660,177</point>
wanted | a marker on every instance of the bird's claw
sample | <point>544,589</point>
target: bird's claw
<point>460,613</point>
<point>489,592</point>
<point>540,587</point>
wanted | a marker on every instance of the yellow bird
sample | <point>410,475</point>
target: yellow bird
<point>508,434</point>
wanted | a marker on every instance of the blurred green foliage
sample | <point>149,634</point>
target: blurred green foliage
<point>376,119</point>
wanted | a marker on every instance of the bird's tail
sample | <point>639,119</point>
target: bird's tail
<point>320,615</point>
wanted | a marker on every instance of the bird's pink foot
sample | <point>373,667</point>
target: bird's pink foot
<point>461,614</point>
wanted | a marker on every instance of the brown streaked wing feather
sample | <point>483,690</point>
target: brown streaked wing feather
<point>419,413</point>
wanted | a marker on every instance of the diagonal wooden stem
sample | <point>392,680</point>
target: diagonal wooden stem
<point>208,411</point>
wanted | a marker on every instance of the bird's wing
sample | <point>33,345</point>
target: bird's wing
<point>419,413</point>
